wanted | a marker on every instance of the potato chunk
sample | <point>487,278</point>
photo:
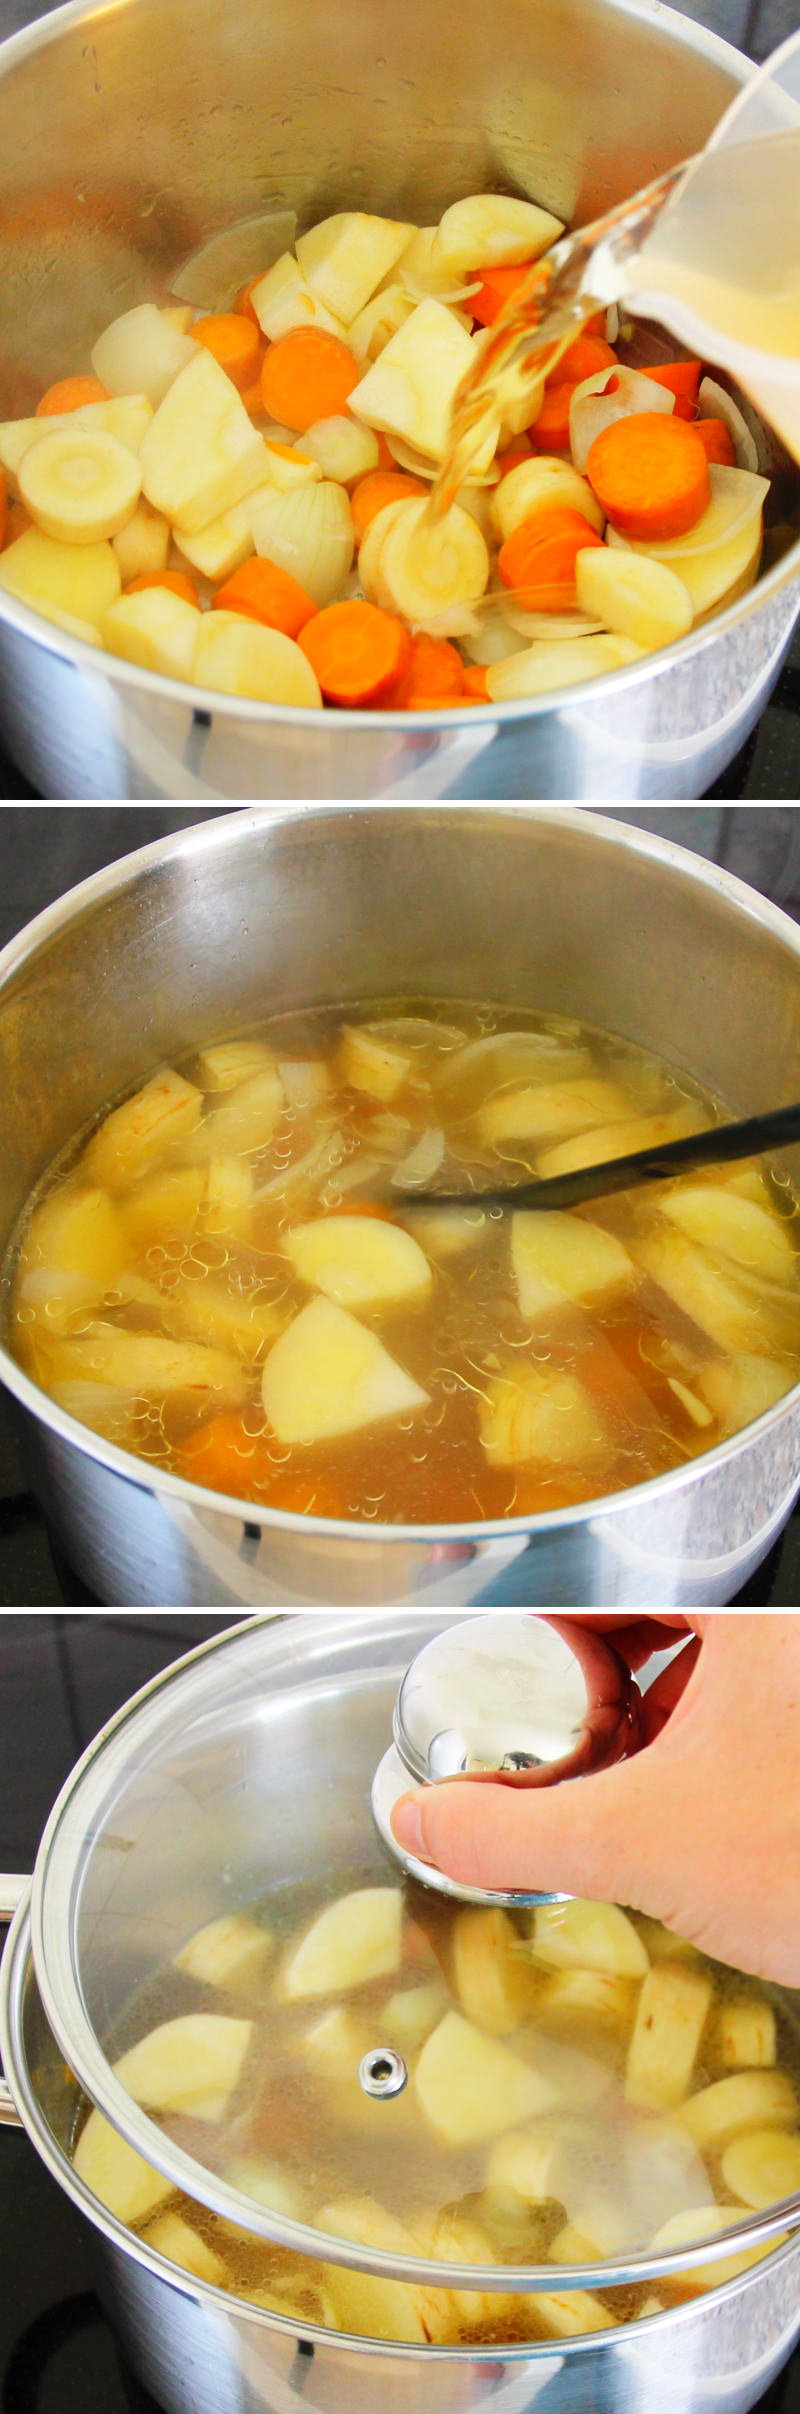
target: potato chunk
<point>245,1119</point>
<point>469,2086</point>
<point>73,1249</point>
<point>711,1297</point>
<point>752,2099</point>
<point>229,1952</point>
<point>491,1971</point>
<point>118,2176</point>
<point>494,229</point>
<point>79,581</point>
<point>706,2221</point>
<point>568,2316</point>
<point>199,2055</point>
<point>563,1257</point>
<point>636,1132</point>
<point>353,1940</point>
<point>671,2016</point>
<point>359,1262</point>
<point>135,1135</point>
<point>409,389</point>
<point>547,1110</point>
<point>367,2306</point>
<point>746,2033</point>
<point>745,1387</point>
<point>149,1365</point>
<point>588,1936</point>
<point>720,1220</point>
<point>763,2167</point>
<point>327,1375</point>
<point>371,1064</point>
<point>175,2238</point>
<point>344,258</point>
<point>538,1414</point>
<point>200,451</point>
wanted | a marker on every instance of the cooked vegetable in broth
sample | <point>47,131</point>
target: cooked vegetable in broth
<point>230,1277</point>
<point>582,2084</point>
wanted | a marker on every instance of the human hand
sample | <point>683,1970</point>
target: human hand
<point>701,1829</point>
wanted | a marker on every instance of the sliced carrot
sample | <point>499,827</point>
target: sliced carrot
<point>178,582</point>
<point>550,432</point>
<point>242,302</point>
<point>381,486</point>
<point>308,375</point>
<point>681,378</point>
<point>252,398</point>
<point>519,451</point>
<point>263,591</point>
<point>68,395</point>
<point>358,652</point>
<point>287,452</point>
<point>474,684</point>
<point>538,559</point>
<point>585,358</point>
<point>18,520</point>
<point>3,509</point>
<point>307,1496</point>
<point>235,343</point>
<point>497,287</point>
<point>435,676</point>
<point>224,1457</point>
<point>650,473</point>
<point>717,442</point>
<point>386,459</point>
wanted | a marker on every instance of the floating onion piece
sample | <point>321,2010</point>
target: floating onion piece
<point>716,403</point>
<point>423,1160</point>
<point>600,400</point>
<point>317,1161</point>
<point>310,533</point>
<point>549,625</point>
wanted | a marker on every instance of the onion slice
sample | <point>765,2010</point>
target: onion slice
<point>611,394</point>
<point>422,1162</point>
<point>716,403</point>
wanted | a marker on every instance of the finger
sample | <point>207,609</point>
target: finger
<point>584,1837</point>
<point>669,1688</point>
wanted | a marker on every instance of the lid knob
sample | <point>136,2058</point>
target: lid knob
<point>524,1700</point>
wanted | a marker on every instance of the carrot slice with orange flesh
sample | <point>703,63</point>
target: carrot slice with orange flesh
<point>717,442</point>
<point>308,375</point>
<point>69,393</point>
<point>519,451</point>
<point>224,1457</point>
<point>434,676</point>
<point>585,358</point>
<point>357,651</point>
<point>263,591</point>
<point>681,378</point>
<point>550,432</point>
<point>307,1495</point>
<point>538,559</point>
<point>650,474</point>
<point>3,510</point>
<point>474,684</point>
<point>497,286</point>
<point>242,302</point>
<point>235,343</point>
<point>381,486</point>
<point>177,581</point>
<point>18,520</point>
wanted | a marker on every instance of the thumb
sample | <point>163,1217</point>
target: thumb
<point>583,1837</point>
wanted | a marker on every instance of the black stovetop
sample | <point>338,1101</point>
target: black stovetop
<point>60,1678</point>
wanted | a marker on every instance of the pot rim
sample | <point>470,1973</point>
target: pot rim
<point>688,35</point>
<point>139,1727</point>
<point>16,1959</point>
<point>201,836</point>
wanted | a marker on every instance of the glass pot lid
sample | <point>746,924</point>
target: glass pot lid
<point>318,2048</point>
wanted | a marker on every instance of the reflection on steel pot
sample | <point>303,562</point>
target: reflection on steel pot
<point>254,913</point>
<point>254,1759</point>
<point>242,112</point>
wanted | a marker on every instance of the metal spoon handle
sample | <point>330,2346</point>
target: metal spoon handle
<point>720,1146</point>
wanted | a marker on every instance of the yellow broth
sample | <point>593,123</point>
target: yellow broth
<point>171,1286</point>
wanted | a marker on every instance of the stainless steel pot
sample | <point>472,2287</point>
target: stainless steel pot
<point>258,912</point>
<point>129,135</point>
<point>260,1748</point>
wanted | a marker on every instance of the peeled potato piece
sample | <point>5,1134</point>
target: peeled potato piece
<point>706,2221</point>
<point>244,659</point>
<point>344,258</point>
<point>154,628</point>
<point>73,1249</point>
<point>752,2099</point>
<point>175,2238</point>
<point>568,2316</point>
<point>167,1202</point>
<point>704,1291</point>
<point>199,2055</point>
<point>134,1136</point>
<point>228,1952</point>
<point>633,596</point>
<point>528,2161</point>
<point>549,665</point>
<point>283,299</point>
<point>564,1257</point>
<point>355,1939</point>
<point>367,2306</point>
<point>544,483</point>
<point>371,1065</point>
<point>410,2015</point>
<point>469,2086</point>
<point>409,389</point>
<point>455,2237</point>
<point>359,1262</point>
<point>762,2168</point>
<point>491,1973</point>
<point>750,1235</point>
<point>745,1387</point>
<point>337,2044</point>
<point>69,583</point>
<point>588,1936</point>
<point>328,1375</point>
<point>673,2008</point>
<point>583,2002</point>
<point>621,1139</point>
<point>141,353</point>
<point>150,1366</point>
<point>570,2246</point>
<point>493,230</point>
<point>118,2176</point>
<point>547,1110</point>
<point>244,1119</point>
<point>142,546</point>
<point>200,452</point>
<point>746,2033</point>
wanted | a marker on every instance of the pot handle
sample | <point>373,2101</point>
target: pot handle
<point>12,1890</point>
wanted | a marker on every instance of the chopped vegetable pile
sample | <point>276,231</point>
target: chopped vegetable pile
<point>240,499</point>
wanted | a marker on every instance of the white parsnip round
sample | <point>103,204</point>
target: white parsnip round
<point>428,564</point>
<point>80,487</point>
<point>633,596</point>
<point>545,483</point>
<point>345,450</point>
<point>370,552</point>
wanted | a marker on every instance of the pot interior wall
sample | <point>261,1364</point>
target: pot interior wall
<point>132,133</point>
<point>254,914</point>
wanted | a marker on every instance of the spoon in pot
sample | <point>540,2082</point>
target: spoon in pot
<point>720,1146</point>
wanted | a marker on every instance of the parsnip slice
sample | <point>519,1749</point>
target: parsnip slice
<point>141,353</point>
<point>352,1941</point>
<point>546,1110</point>
<point>564,1257</point>
<point>633,596</point>
<point>706,2221</point>
<point>763,2167</point>
<point>620,1139</point>
<point>118,2176</point>
<point>244,1119</point>
<point>753,2099</point>
<point>371,1065</point>
<point>229,1196</point>
<point>80,487</point>
<point>428,566</point>
<point>568,2316</point>
<point>673,2008</point>
<point>543,484</point>
<point>588,1936</point>
<point>142,546</point>
<point>492,1974</point>
<point>328,1375</point>
<point>150,1366</point>
<point>579,2003</point>
<point>232,1061</point>
<point>359,1262</point>
<point>704,1291</point>
<point>135,1135</point>
<point>173,2237</point>
<point>720,1220</point>
<point>469,2086</point>
<point>229,1952</point>
<point>529,2161</point>
<point>746,2033</point>
<point>198,2055</point>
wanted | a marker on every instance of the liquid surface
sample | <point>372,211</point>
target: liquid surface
<point>230,1277</point>
<point>581,2084</point>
